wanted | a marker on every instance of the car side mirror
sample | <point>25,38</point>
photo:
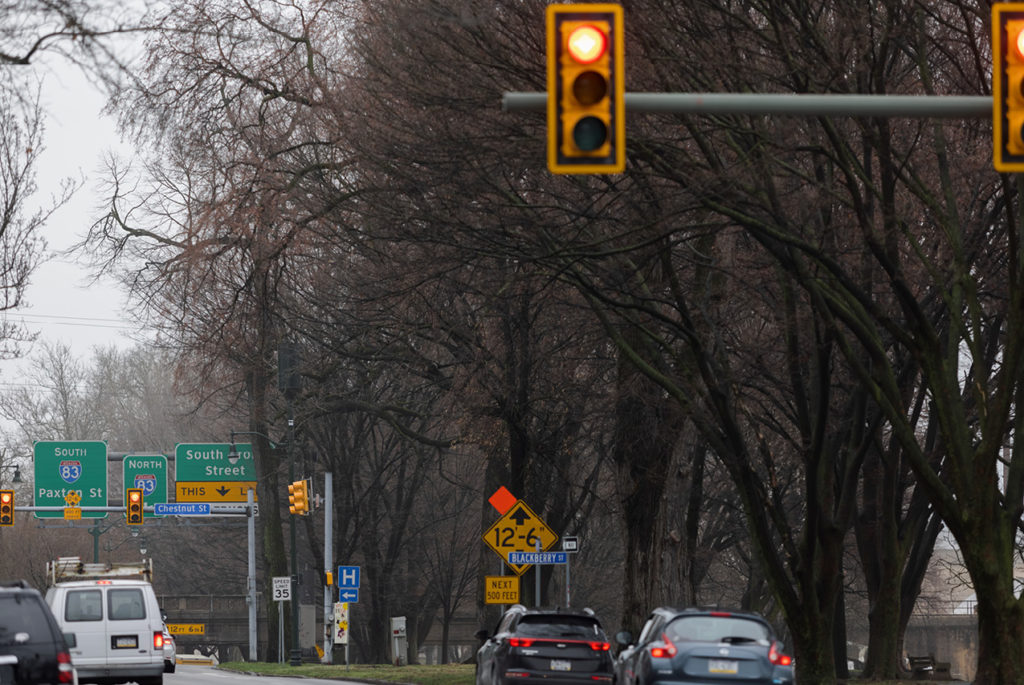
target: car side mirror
<point>70,640</point>
<point>482,634</point>
<point>624,638</point>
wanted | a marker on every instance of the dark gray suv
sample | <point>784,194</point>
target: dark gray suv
<point>33,651</point>
<point>558,646</point>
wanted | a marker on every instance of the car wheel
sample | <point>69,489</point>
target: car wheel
<point>169,666</point>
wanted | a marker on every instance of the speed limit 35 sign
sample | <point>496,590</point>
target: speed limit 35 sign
<point>282,588</point>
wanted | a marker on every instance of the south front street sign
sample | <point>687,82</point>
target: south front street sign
<point>63,467</point>
<point>203,472</point>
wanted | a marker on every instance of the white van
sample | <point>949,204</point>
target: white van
<point>118,628</point>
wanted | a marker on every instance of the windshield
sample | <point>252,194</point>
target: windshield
<point>734,629</point>
<point>578,627</point>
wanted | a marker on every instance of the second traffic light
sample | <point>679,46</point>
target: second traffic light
<point>1008,86</point>
<point>586,118</point>
<point>134,506</point>
<point>6,507</point>
<point>298,497</point>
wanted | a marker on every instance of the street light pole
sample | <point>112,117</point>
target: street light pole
<point>296,653</point>
<point>288,383</point>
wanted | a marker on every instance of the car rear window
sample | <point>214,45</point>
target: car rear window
<point>560,626</point>
<point>717,629</point>
<point>84,605</point>
<point>125,604</point>
<point>22,615</point>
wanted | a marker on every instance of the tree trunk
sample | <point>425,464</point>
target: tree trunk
<point>1000,632</point>
<point>646,431</point>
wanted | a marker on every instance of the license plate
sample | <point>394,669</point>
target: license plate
<point>126,641</point>
<point>561,665</point>
<point>720,666</point>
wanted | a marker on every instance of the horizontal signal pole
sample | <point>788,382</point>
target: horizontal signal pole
<point>792,104</point>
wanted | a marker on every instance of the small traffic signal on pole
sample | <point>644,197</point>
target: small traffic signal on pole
<point>134,513</point>
<point>298,497</point>
<point>6,507</point>
<point>586,89</point>
<point>1008,86</point>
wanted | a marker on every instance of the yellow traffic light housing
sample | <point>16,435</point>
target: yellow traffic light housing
<point>6,507</point>
<point>586,89</point>
<point>298,497</point>
<point>134,501</point>
<point>1008,86</point>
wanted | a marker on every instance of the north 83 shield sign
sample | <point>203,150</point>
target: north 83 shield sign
<point>518,531</point>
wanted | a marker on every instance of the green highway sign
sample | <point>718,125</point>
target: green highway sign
<point>149,472</point>
<point>63,467</point>
<point>209,462</point>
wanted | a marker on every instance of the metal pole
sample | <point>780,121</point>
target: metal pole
<point>296,654</point>
<point>536,575</point>
<point>328,556</point>
<point>568,602</point>
<point>280,632</point>
<point>251,598</point>
<point>794,104</point>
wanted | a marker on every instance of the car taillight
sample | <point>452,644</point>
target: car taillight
<point>779,659</point>
<point>65,671</point>
<point>520,641</point>
<point>600,646</point>
<point>158,640</point>
<point>666,650</point>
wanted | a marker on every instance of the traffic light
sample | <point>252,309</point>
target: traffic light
<point>1008,86</point>
<point>134,513</point>
<point>586,89</point>
<point>6,507</point>
<point>298,497</point>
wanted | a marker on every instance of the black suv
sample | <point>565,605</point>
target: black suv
<point>33,651</point>
<point>560,646</point>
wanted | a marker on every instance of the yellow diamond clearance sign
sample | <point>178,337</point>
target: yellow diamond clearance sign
<point>518,530</point>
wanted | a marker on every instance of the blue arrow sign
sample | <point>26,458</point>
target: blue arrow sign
<point>350,595</point>
<point>348,577</point>
<point>181,509</point>
<point>522,558</point>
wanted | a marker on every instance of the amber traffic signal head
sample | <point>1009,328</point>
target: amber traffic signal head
<point>586,89</point>
<point>1008,86</point>
<point>134,506</point>
<point>298,497</point>
<point>6,507</point>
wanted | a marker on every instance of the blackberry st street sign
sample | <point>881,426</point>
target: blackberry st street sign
<point>62,467</point>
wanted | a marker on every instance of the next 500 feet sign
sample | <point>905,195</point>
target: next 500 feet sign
<point>70,466</point>
<point>203,472</point>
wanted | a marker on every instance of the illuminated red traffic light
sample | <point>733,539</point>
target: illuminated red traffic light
<point>586,93</point>
<point>6,507</point>
<point>1008,86</point>
<point>134,510</point>
<point>587,44</point>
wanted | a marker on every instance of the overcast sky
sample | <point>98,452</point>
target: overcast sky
<point>63,303</point>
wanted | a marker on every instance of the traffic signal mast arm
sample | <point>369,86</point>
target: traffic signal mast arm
<point>789,104</point>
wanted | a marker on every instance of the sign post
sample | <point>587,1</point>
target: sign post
<point>63,467</point>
